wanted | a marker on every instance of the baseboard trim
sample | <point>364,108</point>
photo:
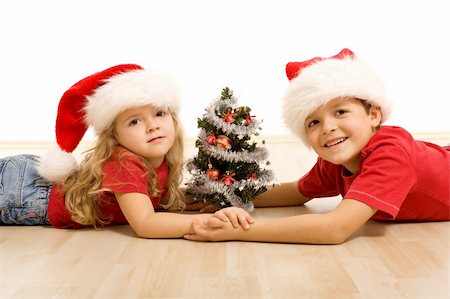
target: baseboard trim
<point>39,147</point>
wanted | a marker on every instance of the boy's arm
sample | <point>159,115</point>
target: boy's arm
<point>285,194</point>
<point>334,227</point>
<point>192,205</point>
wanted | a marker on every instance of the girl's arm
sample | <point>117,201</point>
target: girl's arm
<point>334,227</point>
<point>285,194</point>
<point>147,223</point>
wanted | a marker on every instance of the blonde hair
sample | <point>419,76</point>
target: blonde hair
<point>82,189</point>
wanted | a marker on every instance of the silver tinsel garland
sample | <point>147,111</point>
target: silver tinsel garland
<point>238,130</point>
<point>204,185</point>
<point>256,156</point>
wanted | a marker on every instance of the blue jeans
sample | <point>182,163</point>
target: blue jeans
<point>23,192</point>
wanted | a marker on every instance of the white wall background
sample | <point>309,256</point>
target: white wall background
<point>46,46</point>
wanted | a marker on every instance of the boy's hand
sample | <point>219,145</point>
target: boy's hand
<point>235,215</point>
<point>193,205</point>
<point>202,207</point>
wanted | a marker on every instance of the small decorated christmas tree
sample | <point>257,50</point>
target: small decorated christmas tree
<point>229,167</point>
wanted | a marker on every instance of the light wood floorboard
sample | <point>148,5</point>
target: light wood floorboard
<point>394,260</point>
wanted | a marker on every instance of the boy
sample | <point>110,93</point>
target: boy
<point>336,105</point>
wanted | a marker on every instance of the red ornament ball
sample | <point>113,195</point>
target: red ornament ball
<point>213,174</point>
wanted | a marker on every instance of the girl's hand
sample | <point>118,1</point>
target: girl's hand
<point>224,225</point>
<point>213,229</point>
<point>235,215</point>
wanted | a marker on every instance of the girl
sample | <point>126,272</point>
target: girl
<point>134,168</point>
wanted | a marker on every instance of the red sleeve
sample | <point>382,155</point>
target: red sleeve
<point>320,181</point>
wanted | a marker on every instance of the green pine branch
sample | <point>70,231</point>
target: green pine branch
<point>226,93</point>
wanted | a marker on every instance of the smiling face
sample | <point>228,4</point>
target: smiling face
<point>146,131</point>
<point>339,130</point>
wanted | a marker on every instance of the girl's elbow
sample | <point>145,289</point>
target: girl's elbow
<point>145,234</point>
<point>141,233</point>
<point>145,228</point>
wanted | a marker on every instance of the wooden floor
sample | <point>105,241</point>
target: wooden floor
<point>407,260</point>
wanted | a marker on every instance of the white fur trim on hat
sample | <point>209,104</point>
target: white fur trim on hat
<point>326,80</point>
<point>128,90</point>
<point>56,165</point>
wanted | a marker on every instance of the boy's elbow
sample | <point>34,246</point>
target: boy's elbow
<point>337,234</point>
<point>338,238</point>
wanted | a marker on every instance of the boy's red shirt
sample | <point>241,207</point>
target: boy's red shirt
<point>403,178</point>
<point>121,173</point>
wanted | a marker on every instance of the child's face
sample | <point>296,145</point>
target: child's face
<point>340,129</point>
<point>146,131</point>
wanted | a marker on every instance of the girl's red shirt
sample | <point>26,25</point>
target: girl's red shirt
<point>124,173</point>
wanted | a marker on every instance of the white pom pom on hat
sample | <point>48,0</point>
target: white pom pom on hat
<point>56,164</point>
<point>319,80</point>
<point>95,101</point>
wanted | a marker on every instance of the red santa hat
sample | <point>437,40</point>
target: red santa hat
<point>319,80</point>
<point>95,102</point>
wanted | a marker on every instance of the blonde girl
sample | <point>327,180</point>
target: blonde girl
<point>131,175</point>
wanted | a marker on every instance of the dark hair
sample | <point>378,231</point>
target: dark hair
<point>367,105</point>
